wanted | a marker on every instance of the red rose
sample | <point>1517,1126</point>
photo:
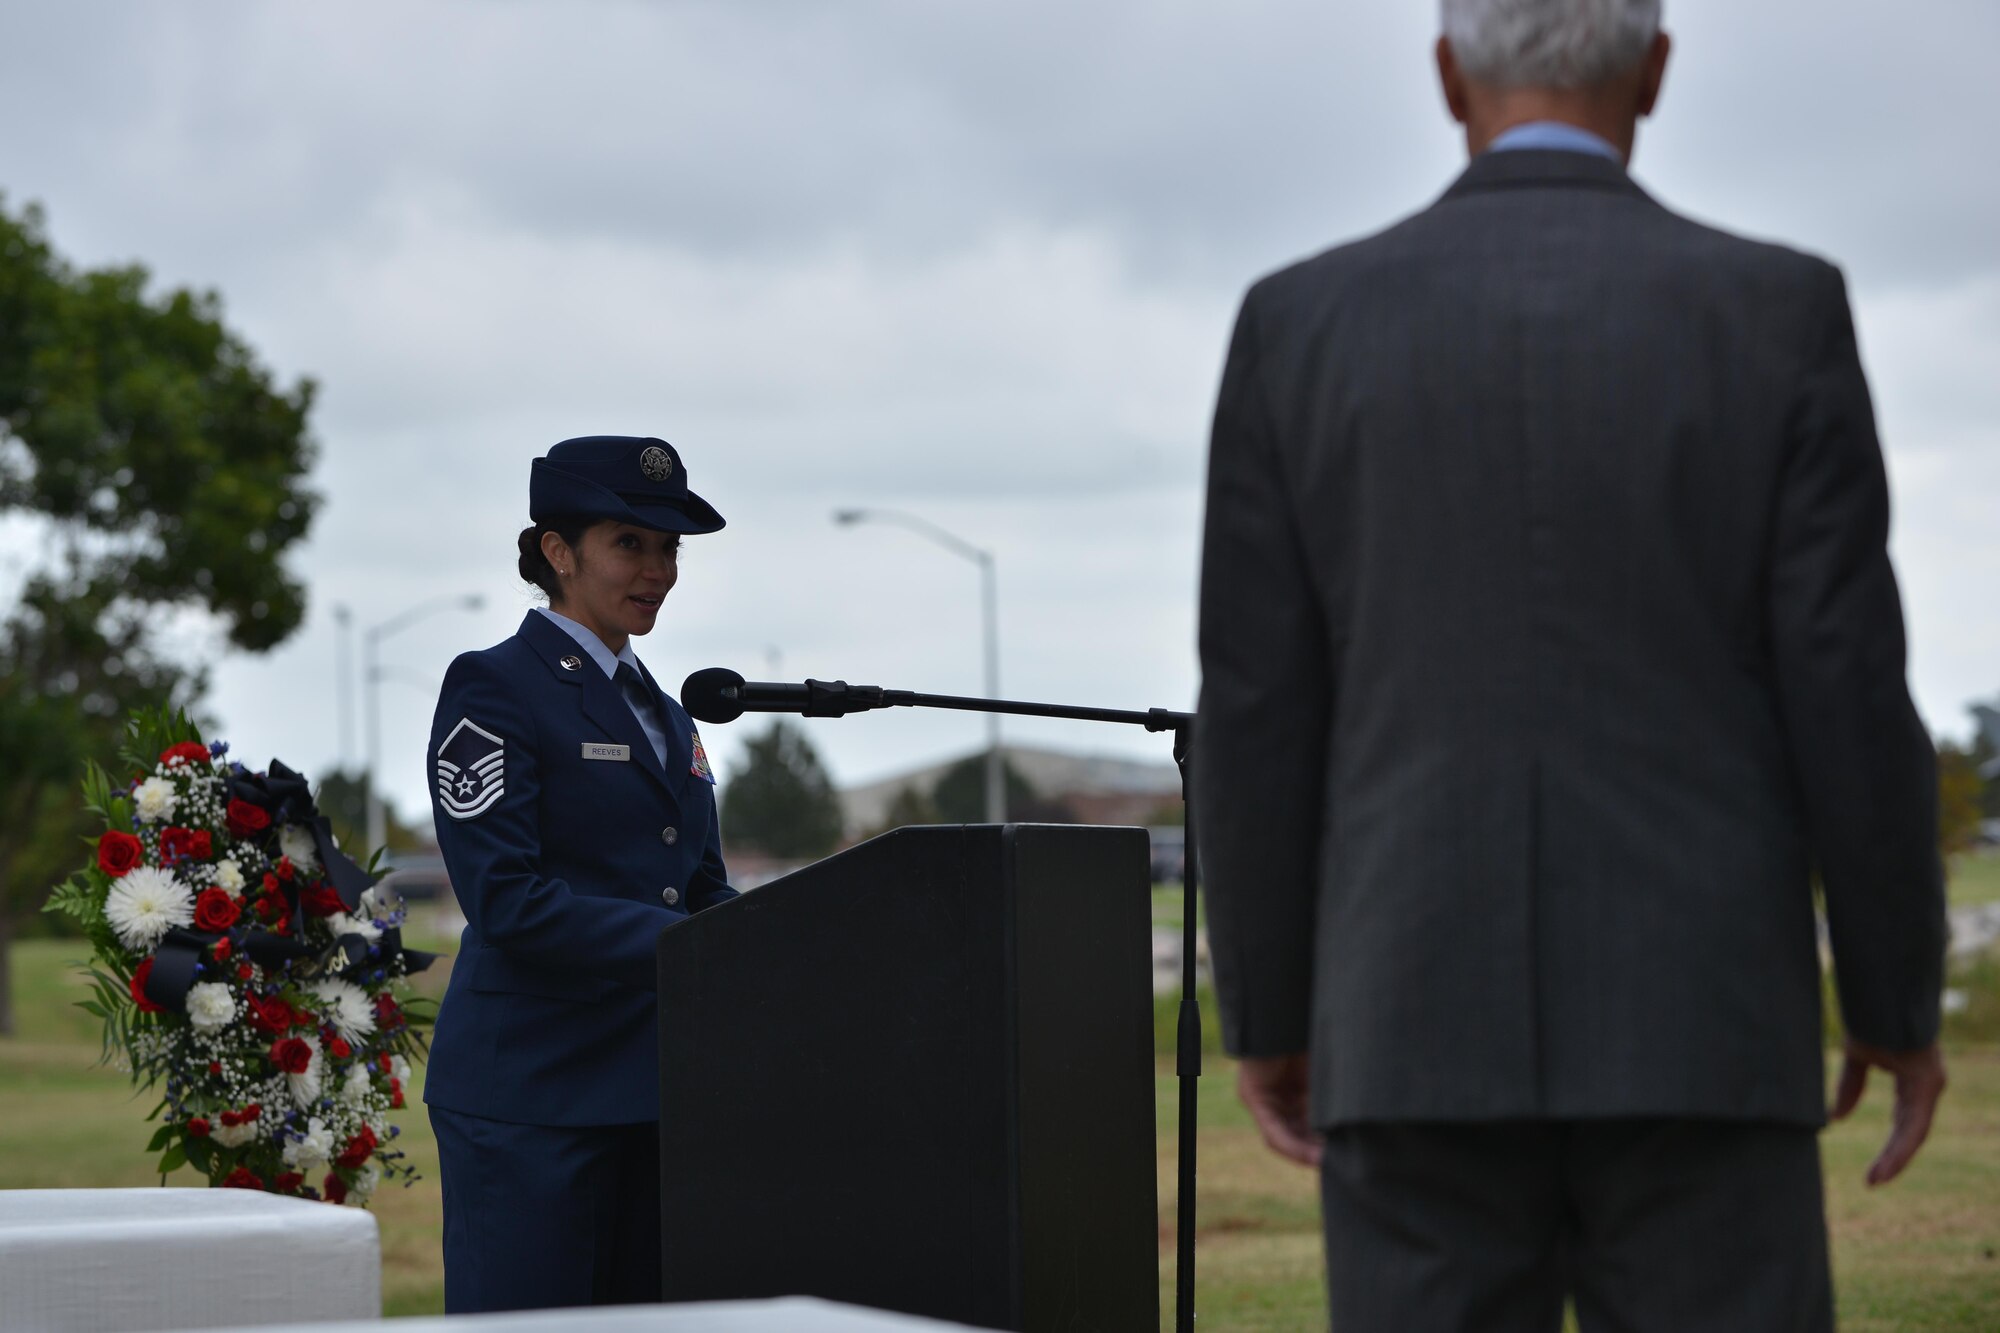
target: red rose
<point>215,910</point>
<point>192,751</point>
<point>395,1094</point>
<point>202,845</point>
<point>198,1128</point>
<point>287,1182</point>
<point>269,1015</point>
<point>252,1112</point>
<point>335,1188</point>
<point>358,1150</point>
<point>270,882</point>
<point>180,844</point>
<point>322,900</point>
<point>118,854</point>
<point>244,971</point>
<point>304,1018</point>
<point>384,1063</point>
<point>291,1054</point>
<point>387,1016</point>
<point>285,869</point>
<point>139,977</point>
<point>222,949</point>
<point>241,1179</point>
<point>245,819</point>
<point>215,1067</point>
<point>231,1119</point>
<point>339,1048</point>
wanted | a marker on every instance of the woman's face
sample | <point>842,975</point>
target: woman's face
<point>615,580</point>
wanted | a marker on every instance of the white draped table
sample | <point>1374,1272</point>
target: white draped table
<point>124,1261</point>
<point>793,1314</point>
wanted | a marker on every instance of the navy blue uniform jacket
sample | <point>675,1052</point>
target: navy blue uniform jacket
<point>567,867</point>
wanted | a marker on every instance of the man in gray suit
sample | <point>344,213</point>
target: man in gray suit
<point>1550,647</point>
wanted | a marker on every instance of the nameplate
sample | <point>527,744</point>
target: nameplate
<point>621,753</point>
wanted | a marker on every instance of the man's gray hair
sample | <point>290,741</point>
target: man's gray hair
<point>1549,43</point>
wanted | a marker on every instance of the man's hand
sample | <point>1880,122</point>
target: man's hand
<point>1276,1090</point>
<point>1920,1082</point>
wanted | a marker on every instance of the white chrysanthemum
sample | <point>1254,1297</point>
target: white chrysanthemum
<point>311,1151</point>
<point>155,799</point>
<point>399,1068</point>
<point>343,924</point>
<point>210,1005</point>
<point>365,1181</point>
<point>305,1088</point>
<point>145,904</point>
<point>229,877</point>
<point>234,1136</point>
<point>346,1006</point>
<point>296,842</point>
<point>355,1090</point>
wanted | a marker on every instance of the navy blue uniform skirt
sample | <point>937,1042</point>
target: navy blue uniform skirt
<point>547,1216</point>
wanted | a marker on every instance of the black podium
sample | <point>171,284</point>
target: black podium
<point>918,1076</point>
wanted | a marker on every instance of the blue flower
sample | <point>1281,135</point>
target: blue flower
<point>217,749</point>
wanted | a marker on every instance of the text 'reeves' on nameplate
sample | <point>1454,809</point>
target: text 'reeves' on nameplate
<point>619,753</point>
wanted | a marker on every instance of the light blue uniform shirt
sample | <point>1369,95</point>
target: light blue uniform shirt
<point>1554,135</point>
<point>636,698</point>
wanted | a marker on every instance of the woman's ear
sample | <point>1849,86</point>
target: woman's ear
<point>558,553</point>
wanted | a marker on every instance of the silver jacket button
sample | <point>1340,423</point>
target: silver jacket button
<point>670,895</point>
<point>670,835</point>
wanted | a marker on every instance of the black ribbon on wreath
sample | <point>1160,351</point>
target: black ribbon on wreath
<point>285,797</point>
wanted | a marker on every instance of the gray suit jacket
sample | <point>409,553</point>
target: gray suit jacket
<point>1549,644</point>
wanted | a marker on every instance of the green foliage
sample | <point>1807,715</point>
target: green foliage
<point>782,804</point>
<point>911,805</point>
<point>168,469</point>
<point>960,795</point>
<point>1961,794</point>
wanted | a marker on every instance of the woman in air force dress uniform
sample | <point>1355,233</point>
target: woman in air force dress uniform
<point>576,814</point>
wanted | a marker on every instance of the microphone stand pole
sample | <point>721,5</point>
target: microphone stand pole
<point>838,698</point>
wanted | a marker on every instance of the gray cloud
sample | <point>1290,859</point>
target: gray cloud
<point>974,259</point>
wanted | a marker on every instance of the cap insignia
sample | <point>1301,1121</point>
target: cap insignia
<point>656,463</point>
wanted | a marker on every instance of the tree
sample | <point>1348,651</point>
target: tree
<point>910,805</point>
<point>168,471</point>
<point>343,798</point>
<point>960,795</point>
<point>782,803</point>
<point>1959,794</point>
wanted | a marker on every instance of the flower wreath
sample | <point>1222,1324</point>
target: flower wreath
<point>247,966</point>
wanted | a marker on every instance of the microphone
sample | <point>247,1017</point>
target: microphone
<point>717,694</point>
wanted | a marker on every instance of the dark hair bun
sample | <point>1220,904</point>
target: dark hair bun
<point>534,566</point>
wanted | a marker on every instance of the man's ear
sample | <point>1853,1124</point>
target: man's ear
<point>1453,80</point>
<point>1655,73</point>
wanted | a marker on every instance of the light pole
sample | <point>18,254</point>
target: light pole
<point>343,670</point>
<point>996,787</point>
<point>371,679</point>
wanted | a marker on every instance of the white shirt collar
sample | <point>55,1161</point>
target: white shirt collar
<point>587,640</point>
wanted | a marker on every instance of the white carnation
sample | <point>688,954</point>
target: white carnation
<point>365,1181</point>
<point>305,1088</point>
<point>399,1069</point>
<point>356,1089</point>
<point>312,1150</point>
<point>155,799</point>
<point>346,1006</point>
<point>145,904</point>
<point>343,924</point>
<point>234,1136</point>
<point>296,842</point>
<point>229,876</point>
<point>210,1005</point>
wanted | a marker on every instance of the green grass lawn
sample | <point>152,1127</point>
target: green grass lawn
<point>1919,1255</point>
<point>1975,879</point>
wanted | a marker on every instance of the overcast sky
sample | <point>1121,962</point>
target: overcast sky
<point>976,261</point>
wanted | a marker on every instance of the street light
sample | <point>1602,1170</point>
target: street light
<point>996,790</point>
<point>372,675</point>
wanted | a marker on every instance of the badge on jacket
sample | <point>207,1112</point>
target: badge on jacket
<point>700,766</point>
<point>471,770</point>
